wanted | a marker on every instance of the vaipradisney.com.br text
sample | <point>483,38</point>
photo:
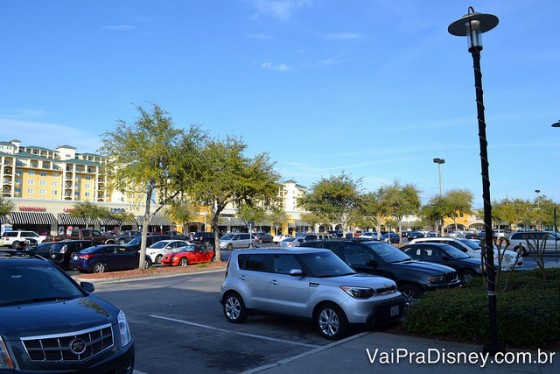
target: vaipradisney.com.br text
<point>432,356</point>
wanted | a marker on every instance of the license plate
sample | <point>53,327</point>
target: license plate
<point>395,310</point>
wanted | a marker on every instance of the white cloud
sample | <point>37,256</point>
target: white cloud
<point>281,9</point>
<point>276,67</point>
<point>342,36</point>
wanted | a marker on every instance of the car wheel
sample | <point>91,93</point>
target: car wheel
<point>158,259</point>
<point>234,308</point>
<point>260,241</point>
<point>229,247</point>
<point>99,267</point>
<point>521,250</point>
<point>467,276</point>
<point>147,263</point>
<point>331,322</point>
<point>121,241</point>
<point>184,261</point>
<point>411,293</point>
<point>15,245</point>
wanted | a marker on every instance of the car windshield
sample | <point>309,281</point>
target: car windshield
<point>325,264</point>
<point>455,253</point>
<point>186,248</point>
<point>23,284</point>
<point>227,237</point>
<point>387,252</point>
<point>471,244</point>
<point>158,245</point>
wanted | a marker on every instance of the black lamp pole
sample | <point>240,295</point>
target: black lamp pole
<point>472,26</point>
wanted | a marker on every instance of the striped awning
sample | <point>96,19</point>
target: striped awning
<point>32,218</point>
<point>67,219</point>
<point>5,219</point>
<point>158,220</point>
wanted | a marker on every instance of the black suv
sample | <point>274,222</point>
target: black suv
<point>203,237</point>
<point>61,252</point>
<point>412,277</point>
<point>49,323</point>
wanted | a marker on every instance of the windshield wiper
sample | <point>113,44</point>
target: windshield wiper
<point>38,300</point>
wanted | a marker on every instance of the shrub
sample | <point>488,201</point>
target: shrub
<point>528,311</point>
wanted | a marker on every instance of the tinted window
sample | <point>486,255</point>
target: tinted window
<point>325,264</point>
<point>256,262</point>
<point>284,263</point>
<point>387,252</point>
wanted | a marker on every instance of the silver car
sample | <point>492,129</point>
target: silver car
<point>311,283</point>
<point>237,240</point>
<point>525,242</point>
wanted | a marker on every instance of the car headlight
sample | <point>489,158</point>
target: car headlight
<point>5,359</point>
<point>436,279</point>
<point>358,292</point>
<point>126,336</point>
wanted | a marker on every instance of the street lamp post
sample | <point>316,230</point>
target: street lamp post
<point>439,161</point>
<point>538,207</point>
<point>472,26</point>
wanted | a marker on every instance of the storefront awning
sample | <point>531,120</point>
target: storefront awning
<point>32,218</point>
<point>157,221</point>
<point>67,220</point>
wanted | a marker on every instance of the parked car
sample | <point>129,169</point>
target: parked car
<point>279,238</point>
<point>94,235</point>
<point>106,257</point>
<point>61,252</point>
<point>156,251</point>
<point>42,249</point>
<point>390,237</point>
<point>126,236</point>
<point>372,235</point>
<point>237,240</point>
<point>466,266</point>
<point>379,258</point>
<point>524,242</point>
<point>50,324</point>
<point>414,235</point>
<point>136,243</point>
<point>263,237</point>
<point>278,281</point>
<point>188,255</point>
<point>203,237</point>
<point>510,259</point>
<point>288,243</point>
<point>14,238</point>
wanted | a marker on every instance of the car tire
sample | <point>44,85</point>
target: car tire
<point>331,322</point>
<point>229,247</point>
<point>99,267</point>
<point>121,241</point>
<point>411,293</point>
<point>234,308</point>
<point>467,275</point>
<point>147,263</point>
<point>15,245</point>
<point>158,259</point>
<point>184,261</point>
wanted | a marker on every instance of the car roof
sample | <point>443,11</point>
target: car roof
<point>427,243</point>
<point>277,250</point>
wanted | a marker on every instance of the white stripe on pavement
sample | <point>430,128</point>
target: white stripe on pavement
<point>233,332</point>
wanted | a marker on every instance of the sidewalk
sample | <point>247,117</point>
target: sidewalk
<point>377,352</point>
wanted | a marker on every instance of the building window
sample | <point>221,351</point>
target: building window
<point>55,174</point>
<point>19,172</point>
<point>18,190</point>
<point>30,181</point>
<point>54,192</point>
<point>30,190</point>
<point>87,194</point>
<point>88,178</point>
<point>54,184</point>
<point>43,173</point>
<point>31,172</point>
<point>42,183</point>
<point>42,191</point>
<point>88,186</point>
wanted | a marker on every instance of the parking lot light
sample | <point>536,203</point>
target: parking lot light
<point>472,25</point>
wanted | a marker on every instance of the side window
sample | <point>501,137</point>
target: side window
<point>357,256</point>
<point>256,262</point>
<point>284,263</point>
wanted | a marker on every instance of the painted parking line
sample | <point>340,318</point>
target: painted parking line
<point>234,332</point>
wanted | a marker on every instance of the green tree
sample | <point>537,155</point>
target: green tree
<point>230,177</point>
<point>373,210</point>
<point>401,201</point>
<point>333,198</point>
<point>89,212</point>
<point>277,218</point>
<point>152,159</point>
<point>433,212</point>
<point>6,206</point>
<point>248,213</point>
<point>457,202</point>
<point>181,212</point>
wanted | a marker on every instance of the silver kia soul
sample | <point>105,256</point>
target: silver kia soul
<point>311,283</point>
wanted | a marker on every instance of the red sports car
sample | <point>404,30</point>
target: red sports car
<point>191,254</point>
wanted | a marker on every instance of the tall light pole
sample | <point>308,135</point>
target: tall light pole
<point>538,207</point>
<point>472,25</point>
<point>439,161</point>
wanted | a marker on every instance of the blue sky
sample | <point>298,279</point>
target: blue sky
<point>375,88</point>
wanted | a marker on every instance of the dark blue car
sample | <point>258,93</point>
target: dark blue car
<point>106,257</point>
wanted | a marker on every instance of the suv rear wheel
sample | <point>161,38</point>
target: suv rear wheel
<point>234,308</point>
<point>331,322</point>
<point>411,293</point>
